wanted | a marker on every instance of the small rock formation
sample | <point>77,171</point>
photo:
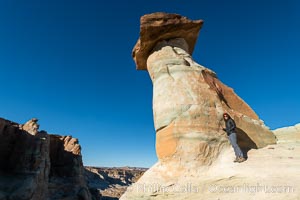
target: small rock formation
<point>35,165</point>
<point>111,183</point>
<point>67,176</point>
<point>188,104</point>
<point>31,126</point>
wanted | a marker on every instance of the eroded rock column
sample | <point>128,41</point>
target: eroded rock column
<point>187,115</point>
<point>188,99</point>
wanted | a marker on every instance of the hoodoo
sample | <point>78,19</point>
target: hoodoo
<point>188,103</point>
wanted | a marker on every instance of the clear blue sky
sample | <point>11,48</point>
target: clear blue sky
<point>68,63</point>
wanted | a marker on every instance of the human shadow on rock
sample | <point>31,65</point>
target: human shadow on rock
<point>244,141</point>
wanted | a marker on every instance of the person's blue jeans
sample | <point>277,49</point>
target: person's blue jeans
<point>237,150</point>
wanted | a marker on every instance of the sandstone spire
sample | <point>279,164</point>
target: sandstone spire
<point>188,102</point>
<point>188,99</point>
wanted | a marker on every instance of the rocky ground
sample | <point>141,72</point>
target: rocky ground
<point>111,183</point>
<point>271,172</point>
<point>35,165</point>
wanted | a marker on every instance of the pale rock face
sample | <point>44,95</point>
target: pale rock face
<point>188,109</point>
<point>185,113</point>
<point>288,134</point>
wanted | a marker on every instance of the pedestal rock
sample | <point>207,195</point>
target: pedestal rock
<point>188,103</point>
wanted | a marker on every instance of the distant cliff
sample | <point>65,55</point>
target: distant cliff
<point>35,165</point>
<point>111,183</point>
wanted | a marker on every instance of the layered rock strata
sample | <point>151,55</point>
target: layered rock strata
<point>35,165</point>
<point>188,99</point>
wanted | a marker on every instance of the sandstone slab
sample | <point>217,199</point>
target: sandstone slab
<point>162,26</point>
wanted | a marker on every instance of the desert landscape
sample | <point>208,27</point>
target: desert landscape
<point>195,159</point>
<point>53,170</point>
<point>149,100</point>
<point>37,165</point>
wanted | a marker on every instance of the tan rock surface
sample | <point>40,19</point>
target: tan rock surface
<point>288,134</point>
<point>31,126</point>
<point>269,173</point>
<point>188,103</point>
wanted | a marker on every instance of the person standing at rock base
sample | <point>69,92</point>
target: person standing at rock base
<point>230,130</point>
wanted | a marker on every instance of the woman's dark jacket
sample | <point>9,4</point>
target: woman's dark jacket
<point>230,126</point>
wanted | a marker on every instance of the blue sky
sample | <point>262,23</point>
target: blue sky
<point>69,64</point>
